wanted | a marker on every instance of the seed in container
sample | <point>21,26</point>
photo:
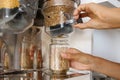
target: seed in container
<point>58,64</point>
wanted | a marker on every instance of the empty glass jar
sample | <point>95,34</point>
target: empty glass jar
<point>56,13</point>
<point>58,65</point>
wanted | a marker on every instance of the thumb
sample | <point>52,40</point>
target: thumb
<point>81,25</point>
<point>82,58</point>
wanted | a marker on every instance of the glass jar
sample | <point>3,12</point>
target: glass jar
<point>58,65</point>
<point>26,61</point>
<point>31,54</point>
<point>56,13</point>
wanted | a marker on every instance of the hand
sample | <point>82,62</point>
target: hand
<point>78,59</point>
<point>101,17</point>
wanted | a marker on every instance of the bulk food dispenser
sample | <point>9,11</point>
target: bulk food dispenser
<point>56,14</point>
<point>58,22</point>
<point>16,17</point>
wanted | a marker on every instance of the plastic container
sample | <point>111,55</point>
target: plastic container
<point>17,15</point>
<point>56,13</point>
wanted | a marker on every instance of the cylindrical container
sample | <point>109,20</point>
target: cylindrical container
<point>36,51</point>
<point>58,65</point>
<point>56,12</point>
<point>31,54</point>
<point>26,61</point>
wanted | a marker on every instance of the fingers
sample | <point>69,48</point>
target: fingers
<point>77,14</point>
<point>81,26</point>
<point>79,66</point>
<point>91,24</point>
<point>82,15</point>
<point>72,50</point>
<point>77,59</point>
<point>71,54</point>
<point>76,55</point>
<point>78,11</point>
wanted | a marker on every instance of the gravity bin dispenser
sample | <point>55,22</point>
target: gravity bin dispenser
<point>58,22</point>
<point>20,41</point>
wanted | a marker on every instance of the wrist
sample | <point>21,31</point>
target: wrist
<point>97,64</point>
<point>94,63</point>
<point>90,61</point>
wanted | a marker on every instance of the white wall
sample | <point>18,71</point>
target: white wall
<point>106,44</point>
<point>82,40</point>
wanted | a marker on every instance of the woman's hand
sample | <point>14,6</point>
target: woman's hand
<point>101,17</point>
<point>78,59</point>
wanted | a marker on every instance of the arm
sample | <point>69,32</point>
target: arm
<point>82,61</point>
<point>114,17</point>
<point>106,67</point>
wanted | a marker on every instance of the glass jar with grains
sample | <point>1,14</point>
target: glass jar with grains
<point>58,65</point>
<point>56,13</point>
